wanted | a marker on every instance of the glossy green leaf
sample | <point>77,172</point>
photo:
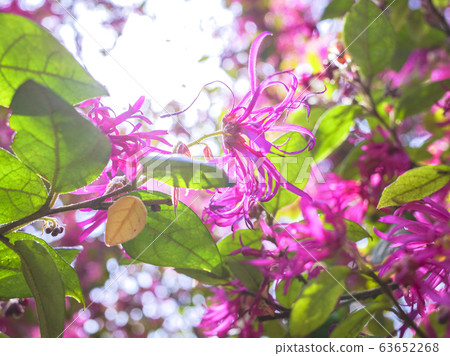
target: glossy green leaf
<point>22,192</point>
<point>419,98</point>
<point>54,140</point>
<point>44,279</point>
<point>293,292</point>
<point>333,128</point>
<point>250,238</point>
<point>355,232</point>
<point>352,325</point>
<point>249,275</point>
<point>337,8</point>
<point>12,282</point>
<point>295,169</point>
<point>27,51</point>
<point>181,242</point>
<point>369,37</point>
<point>317,301</point>
<point>415,184</point>
<point>181,171</point>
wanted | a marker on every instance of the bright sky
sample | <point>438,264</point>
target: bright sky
<point>158,55</point>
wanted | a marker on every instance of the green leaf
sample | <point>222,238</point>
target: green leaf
<point>21,191</point>
<point>294,168</point>
<point>335,317</point>
<point>250,238</point>
<point>54,140</point>
<point>419,154</point>
<point>28,51</point>
<point>317,301</point>
<point>440,3</point>
<point>43,278</point>
<point>286,300</point>
<point>69,254</point>
<point>181,241</point>
<point>12,281</point>
<point>415,184</point>
<point>419,98</point>
<point>369,37</point>
<point>355,232</point>
<point>347,169</point>
<point>181,171</point>
<point>249,275</point>
<point>356,320</point>
<point>381,325</point>
<point>412,32</point>
<point>274,329</point>
<point>334,127</point>
<point>337,8</point>
<point>207,277</point>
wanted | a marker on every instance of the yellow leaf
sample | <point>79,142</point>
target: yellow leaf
<point>126,219</point>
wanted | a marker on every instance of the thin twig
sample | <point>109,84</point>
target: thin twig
<point>283,315</point>
<point>443,25</point>
<point>366,294</point>
<point>400,312</point>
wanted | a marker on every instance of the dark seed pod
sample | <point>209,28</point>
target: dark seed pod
<point>15,310</point>
<point>55,232</point>
<point>61,229</point>
<point>155,208</point>
<point>24,302</point>
<point>48,230</point>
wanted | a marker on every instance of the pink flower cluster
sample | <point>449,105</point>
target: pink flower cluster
<point>246,147</point>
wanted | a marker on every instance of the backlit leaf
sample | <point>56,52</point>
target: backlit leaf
<point>183,172</point>
<point>126,219</point>
<point>337,8</point>
<point>332,129</point>
<point>295,169</point>
<point>352,325</point>
<point>12,281</point>
<point>28,51</point>
<point>181,242</point>
<point>317,301</point>
<point>415,184</point>
<point>369,37</point>
<point>54,140</point>
<point>418,98</point>
<point>44,280</point>
<point>22,192</point>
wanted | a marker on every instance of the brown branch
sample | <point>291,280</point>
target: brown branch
<point>95,204</point>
